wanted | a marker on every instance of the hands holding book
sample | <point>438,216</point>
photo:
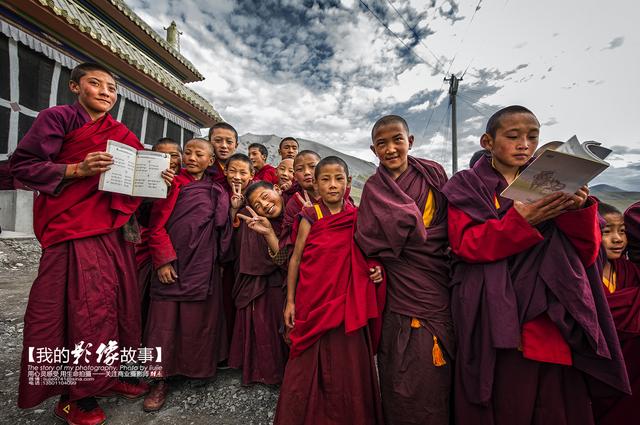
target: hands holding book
<point>551,205</point>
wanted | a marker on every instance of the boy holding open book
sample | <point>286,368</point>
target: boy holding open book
<point>86,292</point>
<point>535,336</point>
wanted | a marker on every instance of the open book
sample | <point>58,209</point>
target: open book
<point>134,172</point>
<point>563,167</point>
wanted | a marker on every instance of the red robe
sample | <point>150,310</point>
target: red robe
<point>398,225</point>
<point>257,346</point>
<point>330,377</point>
<point>625,309</point>
<point>86,290</point>
<point>191,230</point>
<point>519,324</point>
<point>267,173</point>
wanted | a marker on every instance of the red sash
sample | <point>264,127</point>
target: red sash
<point>334,285</point>
<point>80,210</point>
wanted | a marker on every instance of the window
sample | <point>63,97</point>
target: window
<point>173,131</point>
<point>35,75</point>
<point>132,117</point>
<point>155,127</point>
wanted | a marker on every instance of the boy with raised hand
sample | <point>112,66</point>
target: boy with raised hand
<point>302,192</point>
<point>288,148</point>
<point>189,233</point>
<point>285,183</point>
<point>86,292</point>
<point>402,222</point>
<point>258,154</point>
<point>331,297</point>
<point>224,139</point>
<point>621,279</point>
<point>257,347</point>
<point>536,340</point>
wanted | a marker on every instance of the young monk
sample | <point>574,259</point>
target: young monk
<point>285,176</point>
<point>224,139</point>
<point>257,346</point>
<point>288,148</point>
<point>331,376</point>
<point>303,193</point>
<point>86,292</point>
<point>239,172</point>
<point>402,221</point>
<point>535,336</point>
<point>258,154</point>
<point>621,279</point>
<point>143,257</point>
<point>189,232</point>
<point>632,223</point>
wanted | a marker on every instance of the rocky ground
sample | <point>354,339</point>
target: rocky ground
<point>221,401</point>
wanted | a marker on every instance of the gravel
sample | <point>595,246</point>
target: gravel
<point>219,401</point>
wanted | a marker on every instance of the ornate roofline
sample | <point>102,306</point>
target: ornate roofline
<point>133,17</point>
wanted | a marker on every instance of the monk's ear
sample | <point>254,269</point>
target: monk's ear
<point>349,181</point>
<point>74,87</point>
<point>373,150</point>
<point>486,141</point>
<point>411,139</point>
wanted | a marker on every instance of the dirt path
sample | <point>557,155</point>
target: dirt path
<point>222,401</point>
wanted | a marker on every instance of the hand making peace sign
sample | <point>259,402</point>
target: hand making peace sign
<point>237,198</point>
<point>257,223</point>
<point>306,201</point>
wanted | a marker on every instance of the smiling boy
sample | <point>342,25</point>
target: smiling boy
<point>402,222</point>
<point>224,139</point>
<point>258,155</point>
<point>86,290</point>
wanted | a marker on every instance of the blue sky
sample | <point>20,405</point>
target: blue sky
<point>325,70</point>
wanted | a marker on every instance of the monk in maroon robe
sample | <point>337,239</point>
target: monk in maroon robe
<point>257,346</point>
<point>331,376</point>
<point>85,294</point>
<point>621,279</point>
<point>535,336</point>
<point>632,222</point>
<point>402,223</point>
<point>189,232</point>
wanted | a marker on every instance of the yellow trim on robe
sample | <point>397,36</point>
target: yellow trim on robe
<point>610,285</point>
<point>495,201</point>
<point>318,211</point>
<point>429,209</point>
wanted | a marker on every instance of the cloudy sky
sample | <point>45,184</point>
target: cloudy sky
<point>325,70</point>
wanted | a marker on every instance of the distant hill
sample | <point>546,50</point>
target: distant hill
<point>357,166</point>
<point>615,196</point>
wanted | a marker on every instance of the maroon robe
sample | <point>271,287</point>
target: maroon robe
<point>625,309</point>
<point>267,173</point>
<point>632,225</point>
<point>504,291</point>
<point>391,228</point>
<point>86,288</point>
<point>257,346</point>
<point>331,376</point>
<point>186,317</point>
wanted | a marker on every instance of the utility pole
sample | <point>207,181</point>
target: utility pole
<point>453,90</point>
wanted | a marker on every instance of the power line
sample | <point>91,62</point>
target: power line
<point>398,37</point>
<point>415,34</point>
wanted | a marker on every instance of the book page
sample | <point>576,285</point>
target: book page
<point>148,180</point>
<point>119,178</point>
<point>552,172</point>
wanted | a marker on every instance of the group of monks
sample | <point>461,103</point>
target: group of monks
<point>434,301</point>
